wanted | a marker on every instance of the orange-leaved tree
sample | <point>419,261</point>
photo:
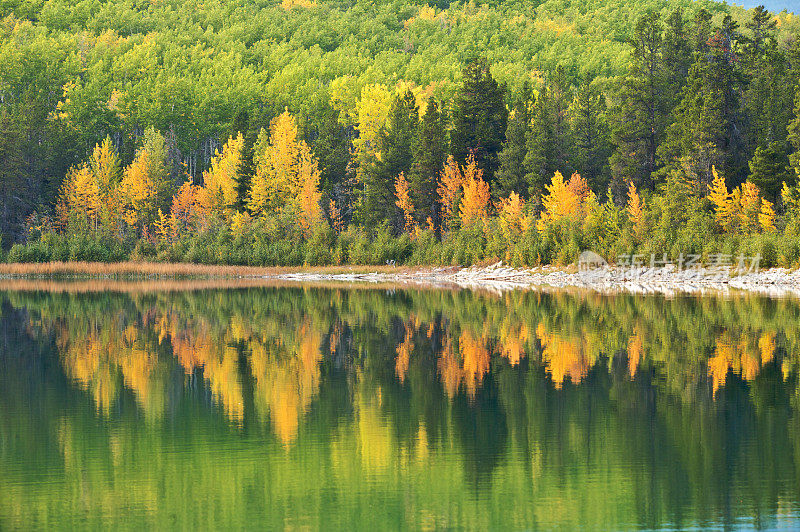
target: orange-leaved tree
<point>475,201</point>
<point>449,189</point>
<point>402,193</point>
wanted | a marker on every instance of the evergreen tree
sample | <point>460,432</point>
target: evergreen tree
<point>511,174</point>
<point>766,101</point>
<point>332,145</point>
<point>540,149</point>
<point>641,112</point>
<point>429,151</point>
<point>677,57</point>
<point>479,118</point>
<point>768,170</point>
<point>395,140</point>
<point>591,136</point>
<point>707,126</point>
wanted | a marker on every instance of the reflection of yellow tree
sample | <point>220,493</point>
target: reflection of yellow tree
<point>287,377</point>
<point>513,337</point>
<point>404,354</point>
<point>634,354</point>
<point>743,356</point>
<point>449,369</point>
<point>564,357</point>
<point>475,356</point>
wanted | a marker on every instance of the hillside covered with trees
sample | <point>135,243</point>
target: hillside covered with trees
<point>359,132</point>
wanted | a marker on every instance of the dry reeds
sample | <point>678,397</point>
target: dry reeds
<point>170,270</point>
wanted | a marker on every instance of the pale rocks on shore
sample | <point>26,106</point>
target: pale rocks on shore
<point>666,280</point>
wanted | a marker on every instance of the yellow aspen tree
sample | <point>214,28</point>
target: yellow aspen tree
<point>560,201</point>
<point>476,193</point>
<point>105,166</point>
<point>335,214</point>
<point>635,211</point>
<point>766,217</point>
<point>372,110</point>
<point>276,158</point>
<point>721,199</point>
<point>137,188</point>
<point>750,202</point>
<point>189,205</point>
<point>449,189</point>
<point>164,226</point>
<point>309,195</point>
<point>403,195</point>
<point>81,194</point>
<point>513,221</point>
<point>220,182</point>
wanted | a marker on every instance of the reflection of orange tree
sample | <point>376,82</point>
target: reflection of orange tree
<point>565,356</point>
<point>743,356</point>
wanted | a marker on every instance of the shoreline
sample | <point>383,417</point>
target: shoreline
<point>775,282</point>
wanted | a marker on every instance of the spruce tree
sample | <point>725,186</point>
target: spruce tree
<point>479,118</point>
<point>768,169</point>
<point>640,115</point>
<point>511,175</point>
<point>540,149</point>
<point>429,152</point>
<point>395,140</point>
<point>591,136</point>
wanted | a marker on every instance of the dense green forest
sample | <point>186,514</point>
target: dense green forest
<point>347,131</point>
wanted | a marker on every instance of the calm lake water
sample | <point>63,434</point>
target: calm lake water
<point>182,405</point>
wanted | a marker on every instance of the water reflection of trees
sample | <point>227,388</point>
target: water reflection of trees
<point>540,390</point>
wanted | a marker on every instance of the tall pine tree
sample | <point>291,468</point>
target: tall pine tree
<point>479,118</point>
<point>429,150</point>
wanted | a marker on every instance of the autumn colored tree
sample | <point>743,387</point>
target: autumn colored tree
<point>287,174</point>
<point>220,182</point>
<point>403,195</point>
<point>635,210</point>
<point>145,183</point>
<point>563,199</point>
<point>475,201</point>
<point>449,189</point>
<point>309,198</point>
<point>276,160</point>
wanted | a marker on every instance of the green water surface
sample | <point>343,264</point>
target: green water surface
<point>379,409</point>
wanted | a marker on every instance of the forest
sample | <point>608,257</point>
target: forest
<point>351,132</point>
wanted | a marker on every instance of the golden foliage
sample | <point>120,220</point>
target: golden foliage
<point>475,357</point>
<point>105,166</point>
<point>403,195</point>
<point>335,214</point>
<point>449,189</point>
<point>276,175</point>
<point>635,211</point>
<point>721,199</point>
<point>513,220</point>
<point>564,200</point>
<point>476,194</point>
<point>309,195</point>
<point>221,181</point>
<point>766,216</point>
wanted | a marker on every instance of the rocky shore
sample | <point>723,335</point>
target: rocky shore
<point>668,280</point>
